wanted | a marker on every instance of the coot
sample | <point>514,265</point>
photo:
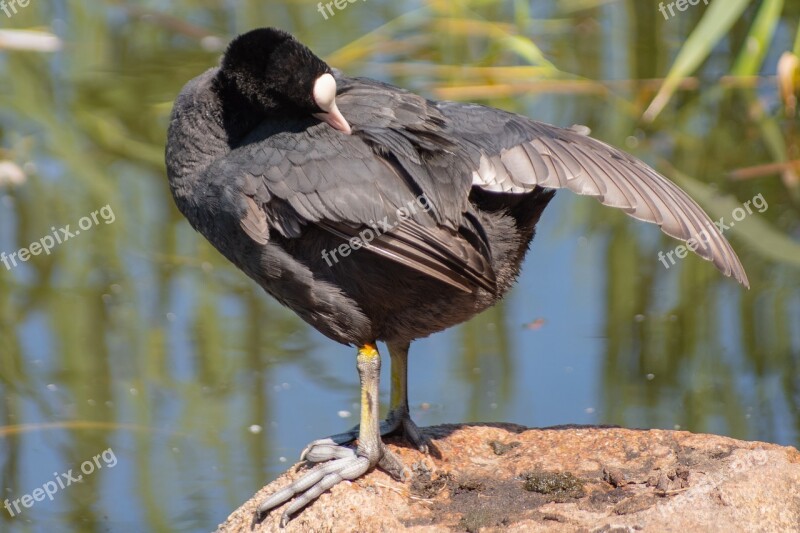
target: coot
<point>378,215</point>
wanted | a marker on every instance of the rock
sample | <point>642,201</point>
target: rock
<point>505,477</point>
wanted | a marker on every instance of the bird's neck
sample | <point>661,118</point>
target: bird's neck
<point>206,125</point>
<point>236,114</point>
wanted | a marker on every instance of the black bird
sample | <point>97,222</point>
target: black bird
<point>378,215</point>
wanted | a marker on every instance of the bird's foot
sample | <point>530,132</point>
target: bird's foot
<point>394,423</point>
<point>338,463</point>
<point>412,434</point>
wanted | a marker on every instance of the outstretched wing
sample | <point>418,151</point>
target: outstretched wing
<point>511,153</point>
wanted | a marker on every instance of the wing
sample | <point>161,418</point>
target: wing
<point>413,133</point>
<point>307,173</point>
<point>437,252</point>
<point>511,153</point>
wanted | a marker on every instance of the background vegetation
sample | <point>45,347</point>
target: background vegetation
<point>138,336</point>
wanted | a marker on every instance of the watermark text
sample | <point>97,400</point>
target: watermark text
<point>375,230</point>
<point>60,481</point>
<point>57,237</point>
<point>11,7</point>
<point>740,213</point>
<point>338,4</point>
<point>680,5</point>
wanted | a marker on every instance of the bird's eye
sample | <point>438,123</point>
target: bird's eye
<point>325,92</point>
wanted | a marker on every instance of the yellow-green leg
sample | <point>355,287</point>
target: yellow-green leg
<point>397,420</point>
<point>339,462</point>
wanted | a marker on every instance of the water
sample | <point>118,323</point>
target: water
<point>136,337</point>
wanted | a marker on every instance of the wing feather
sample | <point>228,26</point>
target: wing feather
<point>558,158</point>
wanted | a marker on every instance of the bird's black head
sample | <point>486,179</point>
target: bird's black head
<point>279,76</point>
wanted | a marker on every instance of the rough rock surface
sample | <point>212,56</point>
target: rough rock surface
<point>504,477</point>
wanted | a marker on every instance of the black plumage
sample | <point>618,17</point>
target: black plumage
<point>262,163</point>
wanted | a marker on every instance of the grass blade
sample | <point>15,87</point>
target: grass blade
<point>718,19</point>
<point>761,33</point>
